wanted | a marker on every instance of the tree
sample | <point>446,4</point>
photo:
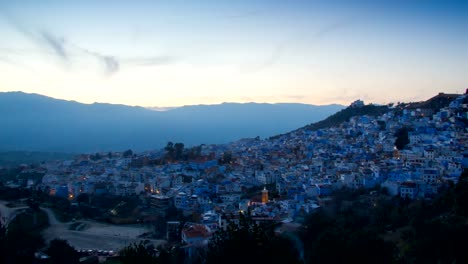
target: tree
<point>169,150</point>
<point>226,158</point>
<point>137,253</point>
<point>82,198</point>
<point>382,125</point>
<point>128,153</point>
<point>33,204</point>
<point>60,252</point>
<point>250,243</point>
<point>95,157</point>
<point>18,246</point>
<point>402,138</point>
<point>179,150</point>
<point>461,194</point>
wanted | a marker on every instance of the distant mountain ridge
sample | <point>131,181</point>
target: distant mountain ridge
<point>32,122</point>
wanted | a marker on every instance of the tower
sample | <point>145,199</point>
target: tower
<point>264,195</point>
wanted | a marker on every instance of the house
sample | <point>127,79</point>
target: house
<point>408,190</point>
<point>195,233</point>
<point>173,229</point>
<point>430,175</point>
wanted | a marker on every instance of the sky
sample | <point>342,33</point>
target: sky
<point>174,53</point>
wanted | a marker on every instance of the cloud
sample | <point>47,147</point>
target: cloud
<point>16,24</point>
<point>57,44</point>
<point>15,63</point>
<point>50,43</point>
<point>282,48</point>
<point>329,28</point>
<point>112,65</point>
<point>7,60</point>
<point>42,39</point>
<point>151,61</point>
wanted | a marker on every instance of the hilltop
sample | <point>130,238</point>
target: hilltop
<point>345,114</point>
<point>358,108</point>
<point>432,105</point>
<point>435,103</point>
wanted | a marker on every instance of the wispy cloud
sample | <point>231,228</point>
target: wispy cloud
<point>15,63</point>
<point>110,63</point>
<point>151,61</point>
<point>7,60</point>
<point>57,44</point>
<point>43,39</point>
<point>53,44</point>
<point>279,51</point>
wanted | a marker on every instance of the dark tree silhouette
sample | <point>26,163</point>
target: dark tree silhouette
<point>128,153</point>
<point>170,152</point>
<point>18,246</point>
<point>251,243</point>
<point>402,138</point>
<point>178,150</point>
<point>60,252</point>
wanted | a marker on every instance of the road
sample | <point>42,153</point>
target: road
<point>7,214</point>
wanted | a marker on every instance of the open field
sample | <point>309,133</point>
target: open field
<point>92,235</point>
<point>99,236</point>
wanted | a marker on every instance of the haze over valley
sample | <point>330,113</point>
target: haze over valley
<point>33,122</point>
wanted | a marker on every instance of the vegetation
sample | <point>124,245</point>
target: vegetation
<point>358,228</point>
<point>346,114</point>
<point>178,151</point>
<point>60,252</point>
<point>7,193</point>
<point>22,239</point>
<point>30,221</point>
<point>402,138</point>
<point>18,246</point>
<point>142,254</point>
<point>226,158</point>
<point>435,103</point>
<point>128,153</point>
<point>251,243</point>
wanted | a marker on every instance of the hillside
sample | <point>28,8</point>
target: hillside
<point>435,103</point>
<point>345,114</point>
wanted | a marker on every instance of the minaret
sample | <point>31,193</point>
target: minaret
<point>264,195</point>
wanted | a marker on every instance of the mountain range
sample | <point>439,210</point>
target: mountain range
<point>32,122</point>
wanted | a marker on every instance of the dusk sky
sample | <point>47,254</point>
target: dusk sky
<point>173,53</point>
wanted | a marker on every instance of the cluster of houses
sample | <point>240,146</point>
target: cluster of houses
<point>301,169</point>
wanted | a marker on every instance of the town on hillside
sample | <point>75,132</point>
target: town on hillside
<point>185,194</point>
